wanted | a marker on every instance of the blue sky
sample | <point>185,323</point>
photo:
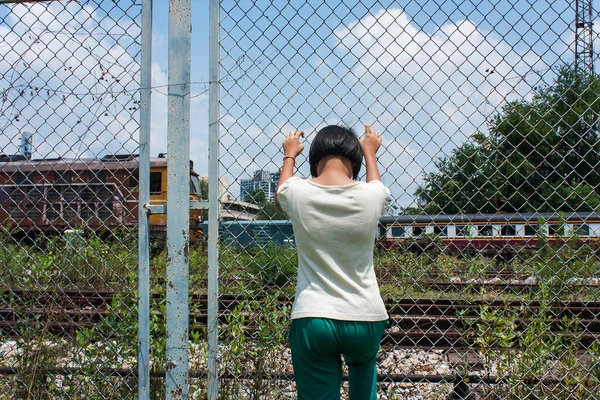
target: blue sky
<point>418,71</point>
<point>422,75</point>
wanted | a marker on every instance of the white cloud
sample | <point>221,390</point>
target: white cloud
<point>70,76</point>
<point>430,91</point>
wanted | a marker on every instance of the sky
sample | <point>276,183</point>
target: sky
<point>427,78</point>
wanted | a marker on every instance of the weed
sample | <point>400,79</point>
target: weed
<point>250,354</point>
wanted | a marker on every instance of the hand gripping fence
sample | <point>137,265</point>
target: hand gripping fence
<point>487,256</point>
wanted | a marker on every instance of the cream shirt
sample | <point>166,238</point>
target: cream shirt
<point>335,228</point>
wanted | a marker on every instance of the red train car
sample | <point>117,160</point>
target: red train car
<point>95,194</point>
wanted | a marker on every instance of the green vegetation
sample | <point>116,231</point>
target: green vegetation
<point>103,354</point>
<point>66,263</point>
<point>268,209</point>
<point>534,353</point>
<point>250,358</point>
<point>540,155</point>
<point>91,263</point>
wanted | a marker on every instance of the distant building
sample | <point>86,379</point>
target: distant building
<point>233,210</point>
<point>262,180</point>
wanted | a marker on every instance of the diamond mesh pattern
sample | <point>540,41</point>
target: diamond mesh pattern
<point>488,256</point>
<point>69,89</point>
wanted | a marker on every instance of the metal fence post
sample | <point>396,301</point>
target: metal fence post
<point>144,200</point>
<point>178,199</point>
<point>213,213</point>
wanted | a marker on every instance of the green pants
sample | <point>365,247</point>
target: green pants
<point>317,346</point>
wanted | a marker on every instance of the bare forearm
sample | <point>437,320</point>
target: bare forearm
<point>291,149</point>
<point>370,144</point>
<point>372,168</point>
<point>287,171</point>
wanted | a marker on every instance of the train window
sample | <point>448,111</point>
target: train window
<point>70,212</point>
<point>104,212</point>
<point>35,194</point>
<point>17,195</point>
<point>53,193</point>
<point>86,194</point>
<point>485,230</point>
<point>32,211</point>
<point>87,212</point>
<point>23,178</point>
<point>556,230</point>
<point>398,231</point>
<point>27,190</point>
<point>52,212</point>
<point>15,211</point>
<point>418,230</point>
<point>134,179</point>
<point>105,194</point>
<point>581,230</point>
<point>69,194</point>
<point>462,231</point>
<point>63,177</point>
<point>440,231</point>
<point>96,177</point>
<point>530,230</point>
<point>155,182</point>
<point>508,230</point>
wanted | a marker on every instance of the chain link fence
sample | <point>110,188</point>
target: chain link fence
<point>487,257</point>
<point>69,100</point>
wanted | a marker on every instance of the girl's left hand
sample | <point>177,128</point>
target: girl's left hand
<point>291,144</point>
<point>370,142</point>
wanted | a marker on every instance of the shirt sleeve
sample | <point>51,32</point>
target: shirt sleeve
<point>384,193</point>
<point>285,194</point>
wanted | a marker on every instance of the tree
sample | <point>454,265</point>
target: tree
<point>204,192</point>
<point>269,209</point>
<point>257,197</point>
<point>541,154</point>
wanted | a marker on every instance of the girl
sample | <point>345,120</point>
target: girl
<point>337,310</point>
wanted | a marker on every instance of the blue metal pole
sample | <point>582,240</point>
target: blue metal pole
<point>178,203</point>
<point>213,193</point>
<point>144,200</point>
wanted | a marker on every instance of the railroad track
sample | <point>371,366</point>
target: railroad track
<point>501,279</point>
<point>497,286</point>
<point>422,323</point>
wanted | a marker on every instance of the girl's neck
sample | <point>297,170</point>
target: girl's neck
<point>334,170</point>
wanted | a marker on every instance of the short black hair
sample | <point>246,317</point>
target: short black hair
<point>338,140</point>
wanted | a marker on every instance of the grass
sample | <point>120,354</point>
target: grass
<point>110,264</point>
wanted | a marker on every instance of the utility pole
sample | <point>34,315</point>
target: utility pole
<point>584,66</point>
<point>584,49</point>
